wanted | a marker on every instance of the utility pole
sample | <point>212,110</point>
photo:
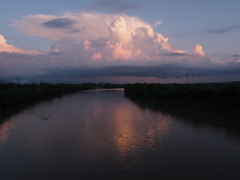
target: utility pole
<point>187,78</point>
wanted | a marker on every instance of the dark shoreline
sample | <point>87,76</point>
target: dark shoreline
<point>17,95</point>
<point>208,97</point>
<point>204,112</point>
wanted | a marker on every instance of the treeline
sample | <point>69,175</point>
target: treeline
<point>221,96</point>
<point>109,86</point>
<point>20,94</point>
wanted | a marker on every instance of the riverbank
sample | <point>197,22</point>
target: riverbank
<point>20,94</point>
<point>12,95</point>
<point>219,96</point>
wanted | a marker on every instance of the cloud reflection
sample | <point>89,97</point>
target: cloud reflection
<point>133,133</point>
<point>4,131</point>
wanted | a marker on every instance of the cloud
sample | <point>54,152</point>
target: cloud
<point>105,45</point>
<point>85,25</point>
<point>197,50</point>
<point>175,54</point>
<point>157,71</point>
<point>59,23</point>
<point>236,58</point>
<point>224,30</point>
<point>14,64</point>
<point>236,55</point>
<point>10,48</point>
<point>96,56</point>
<point>114,6</point>
<point>157,23</point>
<point>129,41</point>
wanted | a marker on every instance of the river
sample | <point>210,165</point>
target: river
<point>100,134</point>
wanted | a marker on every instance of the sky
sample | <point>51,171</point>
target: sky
<point>120,41</point>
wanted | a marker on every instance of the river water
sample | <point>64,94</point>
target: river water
<point>100,134</point>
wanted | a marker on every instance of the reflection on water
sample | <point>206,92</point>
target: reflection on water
<point>100,134</point>
<point>133,132</point>
<point>4,131</point>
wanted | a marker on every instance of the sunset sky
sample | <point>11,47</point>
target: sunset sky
<point>120,40</point>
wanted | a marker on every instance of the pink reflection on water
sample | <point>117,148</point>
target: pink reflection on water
<point>133,133</point>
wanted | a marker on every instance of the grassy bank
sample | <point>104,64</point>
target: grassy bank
<point>206,96</point>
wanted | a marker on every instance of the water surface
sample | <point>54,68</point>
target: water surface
<point>100,134</point>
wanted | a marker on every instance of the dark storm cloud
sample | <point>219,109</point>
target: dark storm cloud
<point>99,43</point>
<point>114,6</point>
<point>236,55</point>
<point>175,54</point>
<point>56,53</point>
<point>59,23</point>
<point>224,30</point>
<point>161,71</point>
<point>72,30</point>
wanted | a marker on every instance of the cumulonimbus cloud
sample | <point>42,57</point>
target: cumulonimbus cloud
<point>99,41</point>
<point>128,40</point>
<point>95,36</point>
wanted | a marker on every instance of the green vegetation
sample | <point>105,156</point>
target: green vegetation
<point>217,96</point>
<point>20,94</point>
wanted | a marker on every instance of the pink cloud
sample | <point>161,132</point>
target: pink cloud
<point>124,45</point>
<point>96,56</point>
<point>197,50</point>
<point>118,38</point>
<point>157,23</point>
<point>10,48</point>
